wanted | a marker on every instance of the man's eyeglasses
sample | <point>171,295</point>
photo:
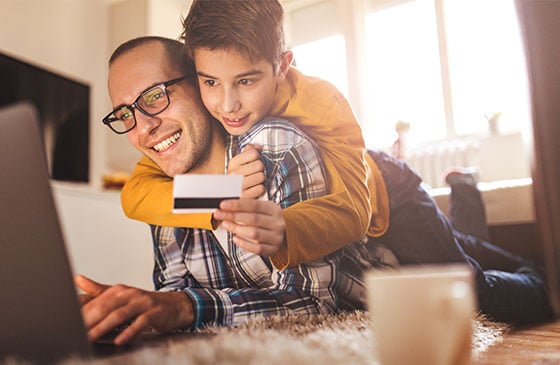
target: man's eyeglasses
<point>151,102</point>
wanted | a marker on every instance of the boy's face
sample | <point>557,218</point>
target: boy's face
<point>179,138</point>
<point>237,92</point>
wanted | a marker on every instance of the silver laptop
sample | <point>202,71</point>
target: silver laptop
<point>39,311</point>
<point>540,26</point>
<point>40,316</point>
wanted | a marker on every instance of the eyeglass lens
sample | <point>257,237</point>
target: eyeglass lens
<point>151,102</point>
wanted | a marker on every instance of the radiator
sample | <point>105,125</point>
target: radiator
<point>431,160</point>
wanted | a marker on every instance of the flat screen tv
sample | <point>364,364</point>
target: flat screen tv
<point>63,107</point>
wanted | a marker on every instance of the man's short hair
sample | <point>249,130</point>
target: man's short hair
<point>174,49</point>
<point>254,28</point>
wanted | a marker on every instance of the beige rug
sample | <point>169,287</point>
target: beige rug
<point>318,340</point>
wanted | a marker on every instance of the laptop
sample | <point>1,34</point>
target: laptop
<point>540,27</point>
<point>39,311</point>
<point>40,316</point>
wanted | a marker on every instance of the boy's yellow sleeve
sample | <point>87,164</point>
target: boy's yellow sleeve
<point>320,226</point>
<point>147,196</point>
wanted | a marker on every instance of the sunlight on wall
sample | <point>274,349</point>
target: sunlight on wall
<point>324,58</point>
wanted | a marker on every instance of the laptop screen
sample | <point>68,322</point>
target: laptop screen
<point>39,310</point>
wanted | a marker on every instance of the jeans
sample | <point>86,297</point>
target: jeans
<point>509,287</point>
<point>466,209</point>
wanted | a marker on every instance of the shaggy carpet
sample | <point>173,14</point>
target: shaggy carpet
<point>345,338</point>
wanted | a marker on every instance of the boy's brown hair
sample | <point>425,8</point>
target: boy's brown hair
<point>254,28</point>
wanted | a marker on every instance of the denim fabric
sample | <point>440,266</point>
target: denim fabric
<point>419,233</point>
<point>466,210</point>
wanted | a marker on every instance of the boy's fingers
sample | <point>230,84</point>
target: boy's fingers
<point>257,147</point>
<point>248,205</point>
<point>248,155</point>
<point>253,192</point>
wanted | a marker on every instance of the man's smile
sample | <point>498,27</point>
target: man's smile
<point>167,143</point>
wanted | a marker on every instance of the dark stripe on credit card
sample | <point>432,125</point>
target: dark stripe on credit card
<point>198,203</point>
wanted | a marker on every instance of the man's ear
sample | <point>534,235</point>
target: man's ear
<point>284,66</point>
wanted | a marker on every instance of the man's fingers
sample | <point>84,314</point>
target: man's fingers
<point>104,318</point>
<point>111,308</point>
<point>84,298</point>
<point>139,325</point>
<point>89,286</point>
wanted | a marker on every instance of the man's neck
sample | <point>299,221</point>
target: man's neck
<point>215,160</point>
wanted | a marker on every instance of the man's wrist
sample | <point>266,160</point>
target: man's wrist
<point>185,315</point>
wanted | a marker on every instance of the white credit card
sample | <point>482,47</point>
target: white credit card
<point>203,193</point>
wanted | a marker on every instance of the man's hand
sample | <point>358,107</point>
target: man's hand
<point>248,164</point>
<point>107,307</point>
<point>258,226</point>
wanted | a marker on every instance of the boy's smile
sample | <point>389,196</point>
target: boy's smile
<point>235,122</point>
<point>237,92</point>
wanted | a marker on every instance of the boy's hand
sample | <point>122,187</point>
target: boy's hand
<point>248,164</point>
<point>258,226</point>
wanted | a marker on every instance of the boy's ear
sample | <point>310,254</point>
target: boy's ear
<point>285,63</point>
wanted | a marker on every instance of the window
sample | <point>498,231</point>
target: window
<point>487,65</point>
<point>444,66</point>
<point>403,75</point>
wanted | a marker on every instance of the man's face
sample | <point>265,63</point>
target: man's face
<point>177,139</point>
<point>237,92</point>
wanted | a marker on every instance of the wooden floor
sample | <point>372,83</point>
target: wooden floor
<point>534,345</point>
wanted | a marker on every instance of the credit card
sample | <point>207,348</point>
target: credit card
<point>194,193</point>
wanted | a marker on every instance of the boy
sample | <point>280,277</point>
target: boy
<point>267,85</point>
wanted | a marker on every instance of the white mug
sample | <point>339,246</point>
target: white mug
<point>422,314</point>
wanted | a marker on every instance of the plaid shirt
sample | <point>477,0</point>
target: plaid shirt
<point>227,288</point>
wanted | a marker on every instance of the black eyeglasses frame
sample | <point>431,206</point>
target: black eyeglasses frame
<point>108,119</point>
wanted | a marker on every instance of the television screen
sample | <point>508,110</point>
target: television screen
<point>63,106</point>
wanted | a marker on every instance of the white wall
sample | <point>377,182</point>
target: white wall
<point>102,242</point>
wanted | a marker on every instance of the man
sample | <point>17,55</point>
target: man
<point>199,282</point>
